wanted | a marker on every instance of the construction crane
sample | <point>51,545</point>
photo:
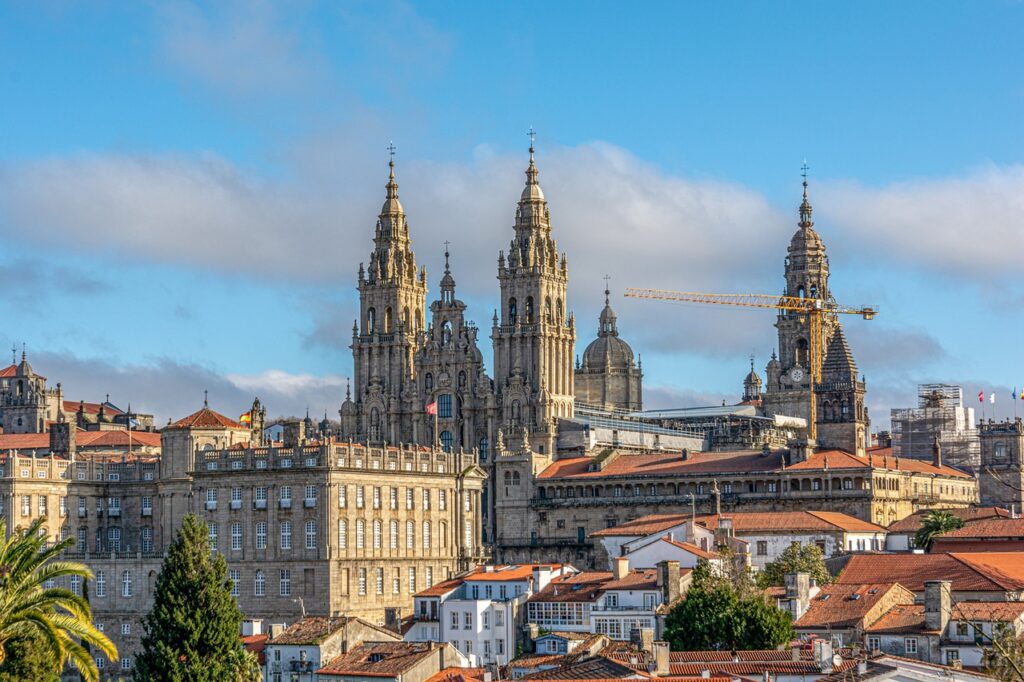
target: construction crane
<point>815,309</point>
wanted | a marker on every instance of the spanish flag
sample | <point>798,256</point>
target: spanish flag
<point>246,418</point>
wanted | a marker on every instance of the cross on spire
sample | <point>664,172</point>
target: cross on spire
<point>391,151</point>
<point>803,171</point>
<point>206,398</point>
<point>532,134</point>
<point>14,353</point>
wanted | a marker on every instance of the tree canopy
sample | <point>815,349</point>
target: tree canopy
<point>934,524</point>
<point>192,633</point>
<point>36,616</point>
<point>796,558</point>
<point>722,611</point>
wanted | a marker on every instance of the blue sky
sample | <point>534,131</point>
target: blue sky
<point>186,190</point>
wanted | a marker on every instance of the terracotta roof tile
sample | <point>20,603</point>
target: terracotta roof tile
<point>969,572</point>
<point>846,605</point>
<point>691,548</point>
<point>580,587</point>
<point>379,659</point>
<point>507,573</point>
<point>310,630</point>
<point>988,528</point>
<point>752,522</point>
<point>912,523</point>
<point>645,525</point>
<point>205,419</point>
<point>665,464</point>
<point>457,675</point>
<point>8,371</point>
<point>900,618</point>
<point>442,588</point>
<point>599,668</point>
<point>879,458</point>
<point>988,611</point>
<point>85,439</point>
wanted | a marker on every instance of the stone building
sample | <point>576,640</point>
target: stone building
<point>322,526</point>
<point>551,508</point>
<point>842,417</point>
<point>27,405</point>
<point>609,378</point>
<point>1001,476</point>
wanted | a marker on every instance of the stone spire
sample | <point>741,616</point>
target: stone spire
<point>806,211</point>
<point>839,363</point>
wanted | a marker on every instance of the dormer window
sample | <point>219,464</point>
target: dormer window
<point>375,658</point>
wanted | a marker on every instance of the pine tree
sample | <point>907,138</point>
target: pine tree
<point>192,633</point>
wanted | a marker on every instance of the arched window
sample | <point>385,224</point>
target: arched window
<point>529,309</point>
<point>483,448</point>
<point>260,585</point>
<point>410,535</point>
<point>800,291</point>
<point>342,534</point>
<point>508,478</point>
<point>374,424</point>
<point>360,534</point>
<point>444,406</point>
<point>801,352</point>
<point>387,320</point>
<point>547,310</point>
<point>371,321</point>
<point>426,535</point>
<point>394,535</point>
<point>419,320</point>
<point>444,533</point>
<point>513,311</point>
<point>515,478</point>
<point>405,317</point>
<point>376,533</point>
<point>428,381</point>
<point>446,441</point>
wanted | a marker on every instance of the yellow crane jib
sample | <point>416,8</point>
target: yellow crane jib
<point>814,307</point>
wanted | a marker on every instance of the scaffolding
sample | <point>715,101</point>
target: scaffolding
<point>940,414</point>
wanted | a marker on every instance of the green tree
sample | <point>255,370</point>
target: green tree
<point>54,616</point>
<point>1004,653</point>
<point>934,524</point>
<point>796,558</point>
<point>718,614</point>
<point>192,633</point>
<point>27,660</point>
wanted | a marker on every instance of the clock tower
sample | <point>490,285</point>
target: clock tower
<point>788,389</point>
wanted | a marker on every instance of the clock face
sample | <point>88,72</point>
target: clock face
<point>796,374</point>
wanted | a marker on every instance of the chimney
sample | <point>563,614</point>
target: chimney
<point>294,434</point>
<point>938,602</point>
<point>705,674</point>
<point>276,629</point>
<point>823,655</point>
<point>642,639</point>
<point>252,627</point>
<point>668,578</point>
<point>662,666</point>
<point>798,590</point>
<point>621,567</point>
<point>686,454</point>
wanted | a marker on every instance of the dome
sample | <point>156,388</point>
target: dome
<point>610,349</point>
<point>348,407</point>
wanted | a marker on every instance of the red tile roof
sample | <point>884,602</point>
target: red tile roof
<point>664,464</point>
<point>310,630</point>
<point>879,458</point>
<point>900,618</point>
<point>442,588</point>
<point>969,572</point>
<point>988,611</point>
<point>256,644</point>
<point>645,525</point>
<point>988,528</point>
<point>86,439</point>
<point>205,419</point>
<point>691,548</point>
<point>580,587</point>
<point>72,406</point>
<point>636,579</point>
<point>508,573</point>
<point>8,371</point>
<point>752,522</point>
<point>841,606</point>
<point>457,675</point>
<point>912,523</point>
<point>379,659</point>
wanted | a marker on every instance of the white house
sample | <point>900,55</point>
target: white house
<point>303,647</point>
<point>479,613</point>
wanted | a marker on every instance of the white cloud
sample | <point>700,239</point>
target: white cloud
<point>971,226</point>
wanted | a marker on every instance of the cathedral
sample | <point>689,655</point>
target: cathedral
<point>842,418</point>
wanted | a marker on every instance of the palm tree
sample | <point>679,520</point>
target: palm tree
<point>60,618</point>
<point>934,524</point>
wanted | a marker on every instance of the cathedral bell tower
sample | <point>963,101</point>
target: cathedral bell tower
<point>534,336</point>
<point>806,271</point>
<point>392,303</point>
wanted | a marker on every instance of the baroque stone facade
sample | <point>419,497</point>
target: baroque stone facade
<point>1001,476</point>
<point>609,378</point>
<point>318,526</point>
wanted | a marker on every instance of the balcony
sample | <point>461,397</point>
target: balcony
<point>82,513</point>
<point>301,666</point>
<point>114,511</point>
<point>211,505</point>
<point>309,502</point>
<point>147,511</point>
<point>284,504</point>
<point>236,504</point>
<point>259,504</point>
